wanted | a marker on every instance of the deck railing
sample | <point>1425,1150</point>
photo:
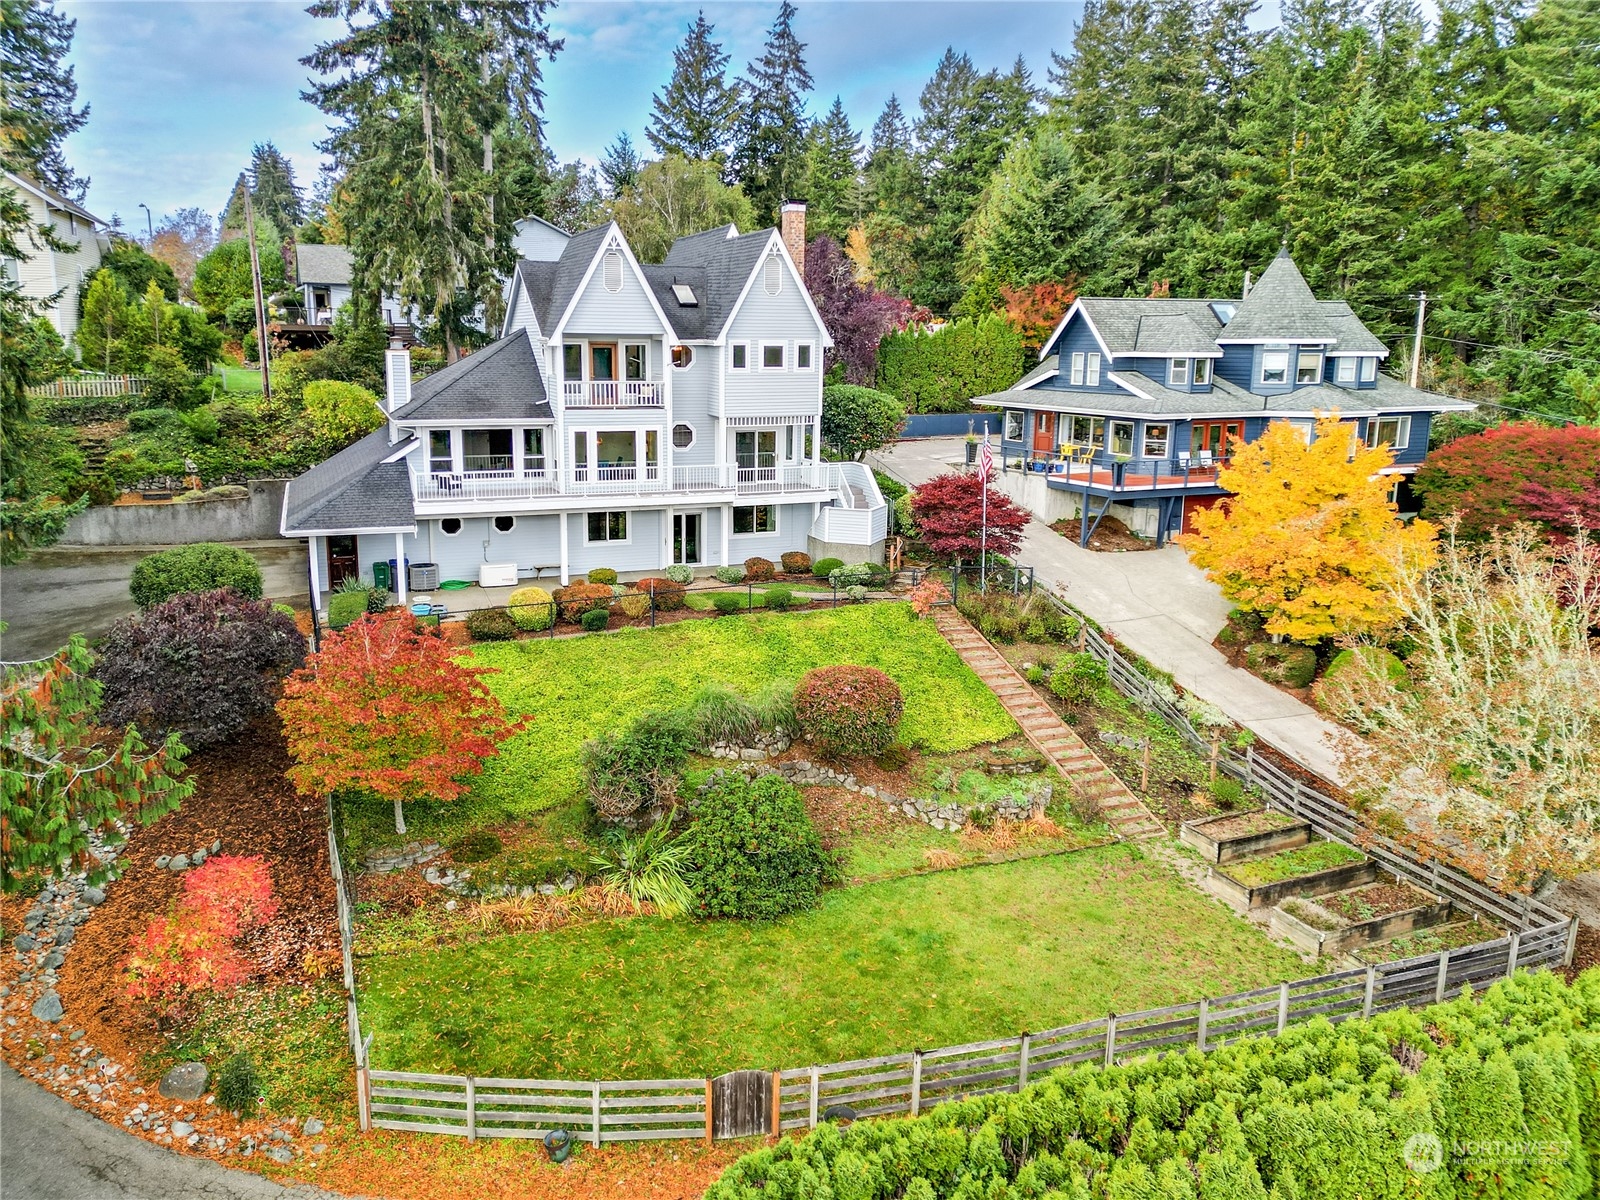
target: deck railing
<point>629,479</point>
<point>614,393</point>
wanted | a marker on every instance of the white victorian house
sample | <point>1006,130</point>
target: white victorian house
<point>630,416</point>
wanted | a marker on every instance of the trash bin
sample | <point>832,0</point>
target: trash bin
<point>424,577</point>
<point>381,577</point>
<point>394,574</point>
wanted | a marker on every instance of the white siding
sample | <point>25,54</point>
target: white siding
<point>794,525</point>
<point>599,312</point>
<point>693,403</point>
<point>47,271</point>
<point>765,319</point>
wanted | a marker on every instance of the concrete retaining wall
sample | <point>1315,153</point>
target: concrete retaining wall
<point>819,549</point>
<point>1029,489</point>
<point>243,519</point>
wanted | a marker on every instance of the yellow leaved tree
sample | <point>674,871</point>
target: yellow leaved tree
<point>1308,539</point>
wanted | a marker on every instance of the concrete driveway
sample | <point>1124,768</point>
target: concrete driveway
<point>1155,602</point>
<point>52,1151</point>
<point>60,591</point>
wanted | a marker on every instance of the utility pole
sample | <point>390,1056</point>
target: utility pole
<point>1416,341</point>
<point>261,304</point>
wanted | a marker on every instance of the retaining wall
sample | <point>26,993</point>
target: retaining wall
<point>236,519</point>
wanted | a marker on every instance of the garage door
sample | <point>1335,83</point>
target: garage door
<point>1194,504</point>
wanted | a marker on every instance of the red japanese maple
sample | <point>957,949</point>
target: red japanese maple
<point>949,512</point>
<point>1516,472</point>
<point>385,709</point>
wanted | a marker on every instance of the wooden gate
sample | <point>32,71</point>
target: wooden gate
<point>741,1104</point>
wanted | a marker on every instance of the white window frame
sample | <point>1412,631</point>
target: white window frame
<point>1282,370</point>
<point>782,348</point>
<point>622,376</point>
<point>583,362</point>
<point>733,518</point>
<point>1111,438</point>
<point>733,354</point>
<point>460,525</point>
<point>811,356</point>
<point>1344,369</point>
<point>1077,368</point>
<point>1152,446</point>
<point>1304,429</point>
<point>449,459</point>
<point>1369,368</point>
<point>772,276</point>
<point>1303,364</point>
<point>543,433</point>
<point>1402,431</point>
<point>1092,379</point>
<point>608,513</point>
<point>612,257</point>
<point>688,352</point>
<point>1096,439</point>
<point>672,435</point>
<point>1201,374</point>
<point>1178,371</point>
<point>1014,420</point>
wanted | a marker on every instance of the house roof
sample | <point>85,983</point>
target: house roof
<point>321,264</point>
<point>567,277</point>
<point>692,249</point>
<point>1280,308</point>
<point>1354,337</point>
<point>689,322</point>
<point>356,490</point>
<point>1045,370</point>
<point>538,278</point>
<point>728,258</point>
<point>499,382</point>
<point>1141,325</point>
<point>52,197</point>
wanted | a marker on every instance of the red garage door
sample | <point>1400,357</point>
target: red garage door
<point>1194,504</point>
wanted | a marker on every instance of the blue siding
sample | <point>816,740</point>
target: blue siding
<point>1078,338</point>
<point>1237,365</point>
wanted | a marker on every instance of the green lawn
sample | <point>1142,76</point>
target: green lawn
<point>927,961</point>
<point>240,379</point>
<point>575,688</point>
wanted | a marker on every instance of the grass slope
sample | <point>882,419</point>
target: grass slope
<point>928,961</point>
<point>576,688</point>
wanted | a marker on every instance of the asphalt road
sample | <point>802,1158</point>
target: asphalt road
<point>55,593</point>
<point>52,1151</point>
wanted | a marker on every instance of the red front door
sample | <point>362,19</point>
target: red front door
<point>1215,437</point>
<point>1044,433</point>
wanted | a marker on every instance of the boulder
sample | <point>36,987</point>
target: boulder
<point>313,1126</point>
<point>178,863</point>
<point>47,1007</point>
<point>24,943</point>
<point>186,1081</point>
<point>93,896</point>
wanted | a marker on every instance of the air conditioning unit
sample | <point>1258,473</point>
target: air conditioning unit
<point>497,575</point>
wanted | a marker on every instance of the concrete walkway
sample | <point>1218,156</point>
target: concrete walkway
<point>1051,736</point>
<point>52,1151</point>
<point>1158,605</point>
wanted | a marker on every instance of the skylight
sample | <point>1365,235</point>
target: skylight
<point>685,295</point>
<point>1224,311</point>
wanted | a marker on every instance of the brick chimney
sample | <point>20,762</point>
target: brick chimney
<point>792,224</point>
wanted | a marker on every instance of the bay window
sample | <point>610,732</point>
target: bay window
<point>1344,370</point>
<point>1178,371</point>
<point>1201,374</point>
<point>1369,369</point>
<point>1308,368</point>
<point>1274,366</point>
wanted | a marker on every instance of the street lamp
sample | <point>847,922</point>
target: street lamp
<point>149,225</point>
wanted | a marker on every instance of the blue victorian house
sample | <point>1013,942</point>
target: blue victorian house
<point>1136,403</point>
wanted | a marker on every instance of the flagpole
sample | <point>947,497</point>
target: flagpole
<point>983,530</point>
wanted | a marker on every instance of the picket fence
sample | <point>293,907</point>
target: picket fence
<point>84,387</point>
<point>908,1083</point>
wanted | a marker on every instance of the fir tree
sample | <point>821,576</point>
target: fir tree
<point>769,152</point>
<point>273,190</point>
<point>40,93</point>
<point>696,113</point>
<point>832,183</point>
<point>619,164</point>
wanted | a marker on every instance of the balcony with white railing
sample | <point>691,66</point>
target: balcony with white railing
<point>614,393</point>
<point>615,479</point>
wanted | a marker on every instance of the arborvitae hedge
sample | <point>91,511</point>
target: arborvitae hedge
<point>942,372</point>
<point>1322,1113</point>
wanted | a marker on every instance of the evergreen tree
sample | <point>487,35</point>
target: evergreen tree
<point>832,182</point>
<point>696,114</point>
<point>769,151</point>
<point>893,201</point>
<point>40,93</point>
<point>273,190</point>
<point>105,320</point>
<point>419,94</point>
<point>619,164</point>
<point>231,224</point>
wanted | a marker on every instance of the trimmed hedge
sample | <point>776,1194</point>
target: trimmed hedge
<point>1283,662</point>
<point>728,603</point>
<point>491,625</point>
<point>779,599</point>
<point>202,567</point>
<point>532,609</point>
<point>595,620</point>
<point>795,562</point>
<point>602,575</point>
<point>578,598</point>
<point>1505,1086</point>
<point>853,712</point>
<point>669,595</point>
<point>758,569</point>
<point>825,567</point>
<point>753,851</point>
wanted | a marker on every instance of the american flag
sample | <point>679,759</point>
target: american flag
<point>985,463</point>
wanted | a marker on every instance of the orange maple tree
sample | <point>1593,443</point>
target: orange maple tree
<point>383,708</point>
<point>1034,310</point>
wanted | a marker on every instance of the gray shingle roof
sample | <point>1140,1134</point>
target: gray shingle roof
<point>569,271</point>
<point>728,263</point>
<point>688,322</point>
<point>354,490</point>
<point>692,249</point>
<point>538,281</point>
<point>1354,337</point>
<point>1046,369</point>
<point>321,264</point>
<point>1280,308</point>
<point>1140,325</point>
<point>500,382</point>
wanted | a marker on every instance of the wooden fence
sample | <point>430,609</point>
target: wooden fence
<point>84,387</point>
<point>908,1083</point>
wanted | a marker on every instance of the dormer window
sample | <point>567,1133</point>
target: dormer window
<point>1178,372</point>
<point>1344,370</point>
<point>1369,370</point>
<point>1275,366</point>
<point>1309,367</point>
<point>1224,310</point>
<point>1200,373</point>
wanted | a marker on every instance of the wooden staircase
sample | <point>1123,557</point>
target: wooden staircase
<point>1053,738</point>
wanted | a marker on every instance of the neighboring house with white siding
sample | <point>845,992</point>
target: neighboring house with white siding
<point>630,416</point>
<point>55,279</point>
<point>322,275</point>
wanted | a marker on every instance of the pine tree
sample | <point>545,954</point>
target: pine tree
<point>40,93</point>
<point>696,114</point>
<point>231,224</point>
<point>273,190</point>
<point>619,164</point>
<point>769,151</point>
<point>419,95</point>
<point>832,188</point>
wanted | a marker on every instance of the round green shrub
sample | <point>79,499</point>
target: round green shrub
<point>729,574</point>
<point>877,574</point>
<point>603,575</point>
<point>779,599</point>
<point>286,609</point>
<point>856,594</point>
<point>1354,663</point>
<point>795,562</point>
<point>849,577</point>
<point>1287,663</point>
<point>1078,677</point>
<point>728,603</point>
<point>531,608</point>
<point>758,569</point>
<point>825,567</point>
<point>849,711</point>
<point>595,619</point>
<point>491,625</point>
<point>203,567</point>
<point>681,573</point>
<point>753,851</point>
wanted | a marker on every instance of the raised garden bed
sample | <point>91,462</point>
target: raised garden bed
<point>1346,921</point>
<point>1316,869</point>
<point>1244,835</point>
<point>1430,941</point>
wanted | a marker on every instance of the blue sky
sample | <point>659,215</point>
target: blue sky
<point>180,91</point>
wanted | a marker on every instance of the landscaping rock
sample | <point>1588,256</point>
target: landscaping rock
<point>53,960</point>
<point>216,846</point>
<point>24,943</point>
<point>47,1007</point>
<point>313,1127</point>
<point>186,1081</point>
<point>162,860</point>
<point>198,857</point>
<point>178,863</point>
<point>182,1129</point>
<point>281,1154</point>
<point>65,935</point>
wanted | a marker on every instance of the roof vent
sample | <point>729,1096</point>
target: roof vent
<point>772,276</point>
<point>612,271</point>
<point>685,295</point>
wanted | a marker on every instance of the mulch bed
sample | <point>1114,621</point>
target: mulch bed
<point>841,815</point>
<point>1375,900</point>
<point>1243,824</point>
<point>243,799</point>
<point>1110,535</point>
